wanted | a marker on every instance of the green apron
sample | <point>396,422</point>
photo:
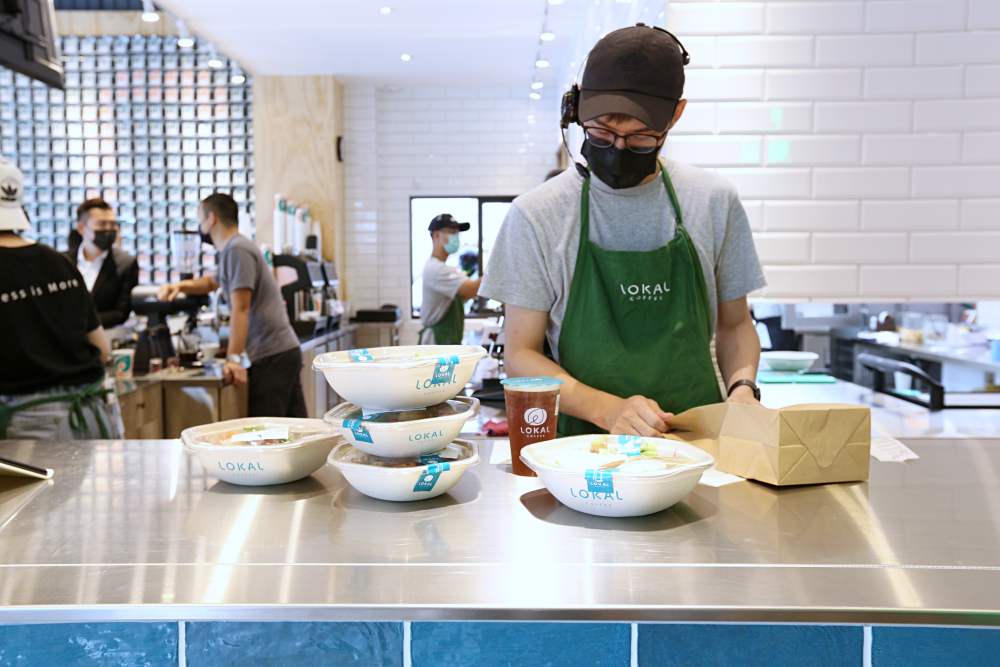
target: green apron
<point>76,400</point>
<point>450,329</point>
<point>638,322</point>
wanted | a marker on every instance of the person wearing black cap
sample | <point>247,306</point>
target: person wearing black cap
<point>627,267</point>
<point>445,288</point>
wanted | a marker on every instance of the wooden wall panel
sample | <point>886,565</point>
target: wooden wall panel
<point>297,120</point>
<point>111,23</point>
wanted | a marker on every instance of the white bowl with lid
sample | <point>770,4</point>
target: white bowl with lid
<point>405,433</point>
<point>629,476</point>
<point>412,478</point>
<point>408,377</point>
<point>261,450</point>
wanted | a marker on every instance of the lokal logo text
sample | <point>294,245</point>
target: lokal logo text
<point>534,422</point>
<point>644,291</point>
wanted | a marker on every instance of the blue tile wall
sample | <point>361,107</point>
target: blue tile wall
<point>750,645</point>
<point>916,647</point>
<point>294,644</point>
<point>86,644</point>
<point>537,644</point>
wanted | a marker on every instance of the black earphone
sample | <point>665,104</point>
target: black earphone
<point>570,106</point>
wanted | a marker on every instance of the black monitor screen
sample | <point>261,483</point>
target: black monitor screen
<point>28,41</point>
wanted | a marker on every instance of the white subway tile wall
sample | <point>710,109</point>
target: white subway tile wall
<point>863,135</point>
<point>401,142</point>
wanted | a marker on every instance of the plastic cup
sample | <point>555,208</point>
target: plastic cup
<point>123,361</point>
<point>532,415</point>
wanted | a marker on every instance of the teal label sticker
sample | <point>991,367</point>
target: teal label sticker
<point>430,458</point>
<point>629,445</point>
<point>429,477</point>
<point>358,430</point>
<point>444,371</point>
<point>361,356</point>
<point>599,481</point>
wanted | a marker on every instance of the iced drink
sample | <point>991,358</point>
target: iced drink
<point>532,414</point>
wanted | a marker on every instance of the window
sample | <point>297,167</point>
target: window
<point>485,214</point>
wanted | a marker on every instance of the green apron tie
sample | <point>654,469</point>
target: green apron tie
<point>450,329</point>
<point>76,401</point>
<point>639,322</point>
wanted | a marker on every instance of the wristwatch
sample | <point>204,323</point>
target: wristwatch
<point>241,359</point>
<point>745,383</point>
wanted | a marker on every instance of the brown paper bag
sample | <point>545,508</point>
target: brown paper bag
<point>801,444</point>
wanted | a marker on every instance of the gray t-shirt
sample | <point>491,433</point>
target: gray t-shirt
<point>241,266</point>
<point>440,285</point>
<point>532,262</point>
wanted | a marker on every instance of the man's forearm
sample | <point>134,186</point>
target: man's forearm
<point>198,286</point>
<point>737,349</point>
<point>239,324</point>
<point>575,398</point>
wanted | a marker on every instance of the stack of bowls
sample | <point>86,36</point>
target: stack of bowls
<point>402,417</point>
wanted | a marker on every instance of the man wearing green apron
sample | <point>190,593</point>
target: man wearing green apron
<point>630,266</point>
<point>445,288</point>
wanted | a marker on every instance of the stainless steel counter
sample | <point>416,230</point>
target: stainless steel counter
<point>138,530</point>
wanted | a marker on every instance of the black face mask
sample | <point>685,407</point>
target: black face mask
<point>205,238</point>
<point>105,239</point>
<point>618,168</point>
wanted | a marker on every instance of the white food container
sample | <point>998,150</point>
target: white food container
<point>571,473</point>
<point>249,464</point>
<point>413,437</point>
<point>790,361</point>
<point>409,377</point>
<point>418,481</point>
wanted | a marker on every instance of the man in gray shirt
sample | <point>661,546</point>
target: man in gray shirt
<point>629,310</point>
<point>259,330</point>
<point>445,288</point>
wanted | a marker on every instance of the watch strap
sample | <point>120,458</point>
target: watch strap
<point>745,383</point>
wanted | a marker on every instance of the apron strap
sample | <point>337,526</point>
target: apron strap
<point>76,401</point>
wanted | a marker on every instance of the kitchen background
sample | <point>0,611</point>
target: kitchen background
<point>864,136</point>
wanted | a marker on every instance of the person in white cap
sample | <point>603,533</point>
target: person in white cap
<point>52,346</point>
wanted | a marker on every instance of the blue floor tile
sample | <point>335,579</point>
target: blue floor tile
<point>85,644</point>
<point>665,645</point>
<point>294,644</point>
<point>516,644</point>
<point>916,647</point>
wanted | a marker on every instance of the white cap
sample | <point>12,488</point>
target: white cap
<point>12,217</point>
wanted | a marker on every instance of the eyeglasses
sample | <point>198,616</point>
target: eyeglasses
<point>600,137</point>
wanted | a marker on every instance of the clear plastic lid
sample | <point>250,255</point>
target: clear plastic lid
<point>532,383</point>
<point>258,432</point>
<point>621,454</point>
<point>452,453</point>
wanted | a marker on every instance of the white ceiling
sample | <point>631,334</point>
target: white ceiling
<point>452,42</point>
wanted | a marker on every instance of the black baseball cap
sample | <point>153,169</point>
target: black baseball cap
<point>637,71</point>
<point>447,221</point>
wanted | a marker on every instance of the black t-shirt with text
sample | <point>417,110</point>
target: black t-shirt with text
<point>46,313</point>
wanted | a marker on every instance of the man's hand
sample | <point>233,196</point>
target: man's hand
<point>743,394</point>
<point>637,415</point>
<point>234,373</point>
<point>169,292</point>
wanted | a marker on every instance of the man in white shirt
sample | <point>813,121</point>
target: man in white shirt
<point>109,272</point>
<point>446,288</point>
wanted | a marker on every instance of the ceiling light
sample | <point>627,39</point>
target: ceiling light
<point>535,96</point>
<point>149,13</point>
<point>385,11</point>
<point>542,63</point>
<point>184,39</point>
<point>537,85</point>
<point>237,79</point>
<point>556,2</point>
<point>547,36</point>
<point>215,62</point>
<point>406,57</point>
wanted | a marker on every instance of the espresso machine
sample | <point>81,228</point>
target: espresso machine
<point>155,341</point>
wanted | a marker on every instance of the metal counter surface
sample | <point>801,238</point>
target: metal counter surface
<point>137,530</point>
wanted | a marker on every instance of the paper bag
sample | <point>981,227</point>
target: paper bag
<point>801,444</point>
